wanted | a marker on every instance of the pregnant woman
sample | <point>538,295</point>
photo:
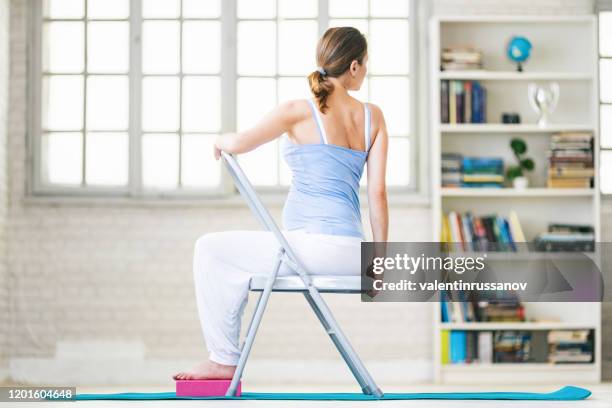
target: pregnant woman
<point>328,141</point>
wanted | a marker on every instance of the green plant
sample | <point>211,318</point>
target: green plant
<point>525,164</point>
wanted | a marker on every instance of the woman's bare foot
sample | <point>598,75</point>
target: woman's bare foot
<point>208,370</point>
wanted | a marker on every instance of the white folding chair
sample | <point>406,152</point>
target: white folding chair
<point>310,286</point>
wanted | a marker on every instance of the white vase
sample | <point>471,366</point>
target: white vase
<point>521,182</point>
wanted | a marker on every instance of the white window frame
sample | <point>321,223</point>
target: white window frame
<point>229,79</point>
<point>603,6</point>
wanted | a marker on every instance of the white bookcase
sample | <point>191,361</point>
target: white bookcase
<point>564,50</point>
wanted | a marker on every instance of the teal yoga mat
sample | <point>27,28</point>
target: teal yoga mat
<point>568,393</point>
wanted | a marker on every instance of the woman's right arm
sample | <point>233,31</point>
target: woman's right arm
<point>377,189</point>
<point>272,125</point>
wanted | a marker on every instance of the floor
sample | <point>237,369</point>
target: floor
<point>602,397</point>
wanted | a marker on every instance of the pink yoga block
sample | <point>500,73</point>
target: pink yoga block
<point>204,388</point>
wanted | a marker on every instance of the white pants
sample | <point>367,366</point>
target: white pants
<point>225,261</point>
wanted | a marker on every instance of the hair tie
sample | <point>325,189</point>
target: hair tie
<point>322,71</point>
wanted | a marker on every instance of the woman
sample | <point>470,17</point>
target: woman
<point>329,140</point>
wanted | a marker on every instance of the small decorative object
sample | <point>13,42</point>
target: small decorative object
<point>511,117</point>
<point>543,99</point>
<point>516,174</point>
<point>518,50</point>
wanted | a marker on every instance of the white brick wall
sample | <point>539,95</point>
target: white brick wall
<point>122,273</point>
<point>4,75</point>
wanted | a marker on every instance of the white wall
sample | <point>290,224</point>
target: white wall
<point>103,292</point>
<point>4,75</point>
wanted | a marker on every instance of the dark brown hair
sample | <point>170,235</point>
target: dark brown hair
<point>336,50</point>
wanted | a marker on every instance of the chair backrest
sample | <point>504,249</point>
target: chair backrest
<point>247,191</point>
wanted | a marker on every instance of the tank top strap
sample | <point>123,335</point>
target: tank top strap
<point>367,126</point>
<point>318,121</point>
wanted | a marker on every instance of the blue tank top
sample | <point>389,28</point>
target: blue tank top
<point>324,193</point>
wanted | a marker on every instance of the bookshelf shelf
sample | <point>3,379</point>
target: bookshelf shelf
<point>511,192</point>
<point>509,128</point>
<point>515,326</point>
<point>575,68</point>
<point>484,75</point>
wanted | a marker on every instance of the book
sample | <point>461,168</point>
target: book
<point>444,101</point>
<point>485,347</point>
<point>458,346</point>
<point>444,346</point>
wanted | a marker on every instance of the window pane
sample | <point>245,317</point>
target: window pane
<point>297,46</point>
<point>606,126</point>
<point>199,167</point>
<point>108,9</point>
<point>62,102</point>
<point>63,8</point>
<point>348,8</point>
<point>389,47</point>
<point>107,103</point>
<point>302,8</point>
<point>398,162</point>
<point>160,8</point>
<point>201,56</point>
<point>63,47</point>
<point>62,158</point>
<point>255,98</point>
<point>261,164</point>
<point>606,171</point>
<point>256,9</point>
<point>106,160</point>
<point>293,88</point>
<point>393,97</point>
<point>390,8</point>
<point>108,47</point>
<point>201,9</point>
<point>605,33</point>
<point>256,48</point>
<point>160,47</point>
<point>160,104</point>
<point>605,80</point>
<point>361,25</point>
<point>201,104</point>
<point>160,160</point>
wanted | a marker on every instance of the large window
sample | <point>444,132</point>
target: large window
<point>129,96</point>
<point>605,96</point>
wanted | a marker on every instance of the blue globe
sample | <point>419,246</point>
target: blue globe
<point>518,50</point>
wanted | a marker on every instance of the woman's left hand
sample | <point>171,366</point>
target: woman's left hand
<point>217,148</point>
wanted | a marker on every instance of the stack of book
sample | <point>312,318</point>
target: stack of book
<point>459,347</point>
<point>482,233</point>
<point>462,102</point>
<point>570,346</point>
<point>566,238</point>
<point>505,308</point>
<point>463,347</point>
<point>452,174</point>
<point>497,346</point>
<point>483,172</point>
<point>571,160</point>
<point>512,346</point>
<point>478,307</point>
<point>460,58</point>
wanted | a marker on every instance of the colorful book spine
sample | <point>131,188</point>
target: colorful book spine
<point>444,347</point>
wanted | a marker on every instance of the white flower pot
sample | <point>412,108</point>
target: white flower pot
<point>520,182</point>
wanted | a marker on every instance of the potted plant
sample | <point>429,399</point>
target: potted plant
<point>517,174</point>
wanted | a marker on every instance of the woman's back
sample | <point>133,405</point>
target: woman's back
<point>324,194</point>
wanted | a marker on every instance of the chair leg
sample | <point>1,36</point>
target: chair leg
<point>341,342</point>
<point>253,326</point>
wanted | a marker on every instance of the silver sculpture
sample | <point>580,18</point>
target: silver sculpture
<point>543,99</point>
